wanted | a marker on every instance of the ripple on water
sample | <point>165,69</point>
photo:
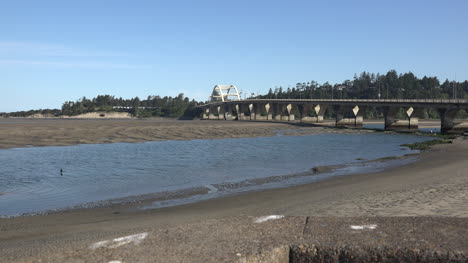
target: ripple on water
<point>113,171</point>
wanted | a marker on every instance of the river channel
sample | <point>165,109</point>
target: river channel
<point>40,179</point>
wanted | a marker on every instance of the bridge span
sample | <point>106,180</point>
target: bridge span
<point>348,112</point>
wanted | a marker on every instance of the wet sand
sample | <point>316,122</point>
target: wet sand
<point>27,132</point>
<point>24,132</point>
<point>434,186</point>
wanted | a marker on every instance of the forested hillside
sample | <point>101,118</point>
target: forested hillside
<point>368,85</point>
<point>372,86</point>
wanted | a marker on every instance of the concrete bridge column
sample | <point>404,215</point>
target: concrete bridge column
<point>349,116</point>
<point>358,112</point>
<point>278,111</point>
<point>241,112</point>
<point>447,123</point>
<point>392,123</point>
<point>290,109</point>
<point>251,111</point>
<point>205,113</point>
<point>237,111</point>
<point>268,110</point>
<point>413,117</point>
<point>211,111</point>
<point>220,110</point>
<point>304,111</point>
<point>228,112</point>
<point>389,117</point>
<point>320,110</point>
<point>258,111</point>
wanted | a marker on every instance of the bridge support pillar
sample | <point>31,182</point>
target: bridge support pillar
<point>235,108</point>
<point>349,116</point>
<point>220,110</point>
<point>258,109</point>
<point>290,108</point>
<point>211,113</point>
<point>204,115</point>
<point>268,110</point>
<point>320,110</point>
<point>447,123</point>
<point>391,122</point>
<point>228,112</point>
<point>304,111</point>
<point>240,112</point>
<point>251,108</point>
<point>277,111</point>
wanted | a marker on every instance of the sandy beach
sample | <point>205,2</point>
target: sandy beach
<point>434,186</point>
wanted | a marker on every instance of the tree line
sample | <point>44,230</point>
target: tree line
<point>363,86</point>
<point>376,86</point>
<point>152,106</point>
<point>369,85</point>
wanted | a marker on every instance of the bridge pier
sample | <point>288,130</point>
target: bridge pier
<point>269,115</point>
<point>250,107</point>
<point>349,116</point>
<point>290,109</point>
<point>258,109</point>
<point>319,111</point>
<point>447,121</point>
<point>392,123</point>
<point>228,112</point>
<point>304,111</point>
<point>277,111</point>
<point>220,110</point>
<point>205,112</point>
<point>240,109</point>
<point>211,113</point>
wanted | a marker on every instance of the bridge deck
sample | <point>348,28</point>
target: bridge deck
<point>461,103</point>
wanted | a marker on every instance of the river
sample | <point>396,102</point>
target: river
<point>48,178</point>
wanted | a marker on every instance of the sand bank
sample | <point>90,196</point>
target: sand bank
<point>57,132</point>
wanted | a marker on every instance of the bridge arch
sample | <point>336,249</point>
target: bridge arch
<point>222,93</point>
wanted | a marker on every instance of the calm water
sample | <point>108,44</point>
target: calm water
<point>30,178</point>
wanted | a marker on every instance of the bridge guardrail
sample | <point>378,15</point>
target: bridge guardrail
<point>357,101</point>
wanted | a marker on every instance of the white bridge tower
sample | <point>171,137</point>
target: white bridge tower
<point>224,93</point>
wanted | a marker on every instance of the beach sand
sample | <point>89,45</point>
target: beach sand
<point>28,132</point>
<point>24,132</point>
<point>431,192</point>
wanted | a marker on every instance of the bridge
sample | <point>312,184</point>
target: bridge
<point>348,112</point>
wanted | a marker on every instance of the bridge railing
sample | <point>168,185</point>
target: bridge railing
<point>367,100</point>
<point>416,101</point>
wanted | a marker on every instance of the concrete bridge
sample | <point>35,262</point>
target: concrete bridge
<point>349,112</point>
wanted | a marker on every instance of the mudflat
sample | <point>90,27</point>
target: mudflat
<point>429,198</point>
<point>27,132</point>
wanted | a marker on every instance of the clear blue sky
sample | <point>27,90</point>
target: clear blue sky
<point>53,51</point>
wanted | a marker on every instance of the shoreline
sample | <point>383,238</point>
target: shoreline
<point>434,185</point>
<point>207,192</point>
